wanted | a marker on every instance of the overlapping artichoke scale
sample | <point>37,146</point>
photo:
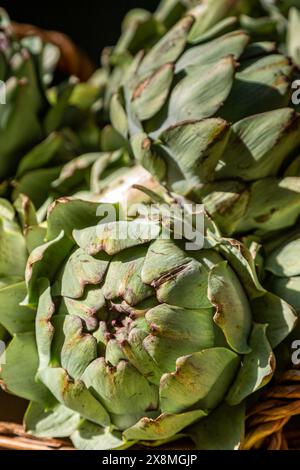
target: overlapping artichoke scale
<point>137,336</point>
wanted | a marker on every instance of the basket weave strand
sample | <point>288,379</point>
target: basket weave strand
<point>267,421</point>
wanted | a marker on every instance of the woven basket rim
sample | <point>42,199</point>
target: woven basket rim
<point>266,421</point>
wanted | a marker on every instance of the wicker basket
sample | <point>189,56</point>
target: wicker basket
<point>271,424</point>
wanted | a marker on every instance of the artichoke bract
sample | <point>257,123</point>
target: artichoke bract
<point>283,268</point>
<point>137,337</point>
<point>211,113</point>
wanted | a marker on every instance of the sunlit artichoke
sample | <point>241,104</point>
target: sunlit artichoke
<point>138,338</point>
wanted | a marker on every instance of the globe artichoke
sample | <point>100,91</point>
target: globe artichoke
<point>137,337</point>
<point>209,112</point>
<point>282,266</point>
<point>276,259</point>
<point>41,128</point>
<point>22,79</point>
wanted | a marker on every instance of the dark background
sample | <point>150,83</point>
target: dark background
<point>92,24</point>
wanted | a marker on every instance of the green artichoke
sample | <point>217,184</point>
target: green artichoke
<point>137,338</point>
<point>22,72</point>
<point>209,112</point>
<point>13,252</point>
